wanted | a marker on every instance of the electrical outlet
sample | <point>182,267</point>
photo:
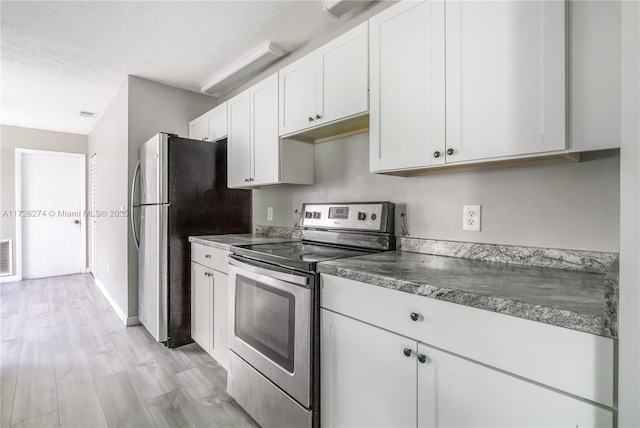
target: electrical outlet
<point>471,217</point>
<point>269,213</point>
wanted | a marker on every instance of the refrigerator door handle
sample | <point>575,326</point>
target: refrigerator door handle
<point>136,239</point>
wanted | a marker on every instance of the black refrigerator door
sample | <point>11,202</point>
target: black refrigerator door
<point>199,204</point>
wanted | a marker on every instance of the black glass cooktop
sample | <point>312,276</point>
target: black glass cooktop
<point>297,254</point>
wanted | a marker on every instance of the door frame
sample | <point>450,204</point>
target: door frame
<point>83,203</point>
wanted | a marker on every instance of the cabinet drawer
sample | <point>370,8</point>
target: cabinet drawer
<point>213,258</point>
<point>577,363</point>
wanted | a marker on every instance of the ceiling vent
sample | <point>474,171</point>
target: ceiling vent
<point>241,71</point>
<point>87,114</point>
<point>339,8</point>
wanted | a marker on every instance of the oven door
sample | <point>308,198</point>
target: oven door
<point>270,314</point>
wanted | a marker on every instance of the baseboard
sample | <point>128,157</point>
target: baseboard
<point>112,302</point>
<point>133,321</point>
<point>12,278</point>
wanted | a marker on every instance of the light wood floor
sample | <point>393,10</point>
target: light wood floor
<point>67,361</point>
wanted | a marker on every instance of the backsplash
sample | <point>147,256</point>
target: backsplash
<point>577,260</point>
<point>573,206</point>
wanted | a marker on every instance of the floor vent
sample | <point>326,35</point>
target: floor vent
<point>6,257</point>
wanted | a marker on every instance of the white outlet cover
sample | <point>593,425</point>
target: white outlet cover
<point>471,217</point>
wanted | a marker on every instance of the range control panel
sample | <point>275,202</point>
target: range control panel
<point>370,216</point>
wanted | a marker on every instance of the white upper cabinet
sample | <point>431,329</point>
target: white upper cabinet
<point>217,121</point>
<point>199,128</point>
<point>257,156</point>
<point>239,156</point>
<point>343,76</point>
<point>265,141</point>
<point>211,126</point>
<point>327,85</point>
<point>466,81</point>
<point>505,78</point>
<point>407,86</point>
<point>298,95</point>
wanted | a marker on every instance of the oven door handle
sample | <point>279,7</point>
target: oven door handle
<point>271,272</point>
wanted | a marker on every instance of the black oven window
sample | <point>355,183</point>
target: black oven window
<point>265,319</point>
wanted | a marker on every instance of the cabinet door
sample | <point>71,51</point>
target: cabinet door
<point>199,129</point>
<point>264,128</point>
<point>298,95</point>
<point>217,120</point>
<point>343,76</point>
<point>239,141</point>
<point>200,310</point>
<point>505,78</point>
<point>366,379</point>
<point>407,122</point>
<point>220,321</point>
<point>454,392</point>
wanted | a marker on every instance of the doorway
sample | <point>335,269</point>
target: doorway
<point>50,213</point>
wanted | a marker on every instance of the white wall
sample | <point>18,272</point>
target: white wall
<point>13,137</point>
<point>558,206</point>
<point>629,316</point>
<point>109,141</point>
<point>155,108</point>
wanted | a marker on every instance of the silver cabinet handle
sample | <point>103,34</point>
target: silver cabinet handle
<point>318,116</point>
<point>310,119</point>
<point>207,256</point>
<point>416,316</point>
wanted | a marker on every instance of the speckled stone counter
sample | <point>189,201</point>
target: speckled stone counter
<point>563,298</point>
<point>224,242</point>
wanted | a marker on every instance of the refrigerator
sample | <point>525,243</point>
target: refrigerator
<point>179,189</point>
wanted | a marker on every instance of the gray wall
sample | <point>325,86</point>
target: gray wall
<point>139,110</point>
<point>559,206</point>
<point>108,141</point>
<point>629,317</point>
<point>13,137</point>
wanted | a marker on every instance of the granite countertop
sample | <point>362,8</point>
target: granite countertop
<point>564,298</point>
<point>224,242</point>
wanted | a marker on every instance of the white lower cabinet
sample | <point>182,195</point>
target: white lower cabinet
<point>210,301</point>
<point>372,376</point>
<point>366,381</point>
<point>456,392</point>
<point>200,310</point>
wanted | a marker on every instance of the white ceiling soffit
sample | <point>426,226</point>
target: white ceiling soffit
<point>60,58</point>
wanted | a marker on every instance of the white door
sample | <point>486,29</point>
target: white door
<point>92,217</point>
<point>368,375</point>
<point>407,123</point>
<point>52,213</point>
<point>454,392</point>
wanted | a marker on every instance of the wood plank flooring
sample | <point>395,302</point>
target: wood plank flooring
<point>66,360</point>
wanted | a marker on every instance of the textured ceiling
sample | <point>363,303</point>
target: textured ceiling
<point>61,57</point>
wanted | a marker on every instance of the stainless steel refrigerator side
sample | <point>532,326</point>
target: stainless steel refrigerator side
<point>154,180</point>
<point>152,272</point>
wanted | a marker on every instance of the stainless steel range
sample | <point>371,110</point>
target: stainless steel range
<point>274,370</point>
